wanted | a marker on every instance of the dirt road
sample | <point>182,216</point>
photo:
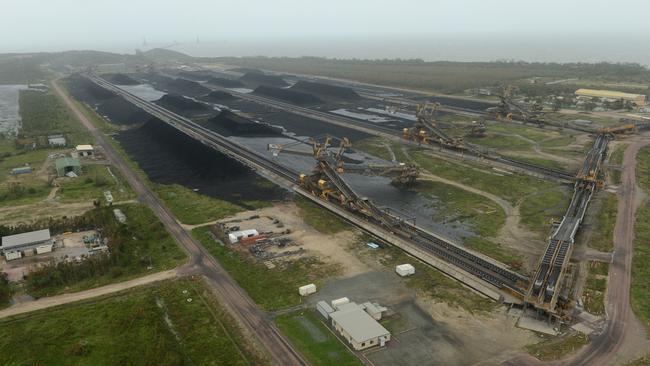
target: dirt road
<point>47,302</point>
<point>201,262</point>
<point>604,348</point>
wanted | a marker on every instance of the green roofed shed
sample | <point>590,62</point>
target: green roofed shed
<point>66,165</point>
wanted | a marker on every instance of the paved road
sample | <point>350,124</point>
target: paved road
<point>603,348</point>
<point>201,262</point>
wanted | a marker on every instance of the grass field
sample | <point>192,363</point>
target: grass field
<point>92,184</point>
<point>153,325</point>
<point>140,243</point>
<point>314,340</point>
<point>617,159</point>
<point>511,187</point>
<point>593,295</point>
<point>602,235</point>
<point>640,289</point>
<point>557,347</point>
<point>539,208</point>
<point>272,289</point>
<point>319,218</point>
<point>194,208</point>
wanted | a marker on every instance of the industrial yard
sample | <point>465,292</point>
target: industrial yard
<point>331,221</point>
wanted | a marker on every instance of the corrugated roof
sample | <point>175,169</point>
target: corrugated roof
<point>357,323</point>
<point>25,238</point>
<point>609,94</point>
<point>66,161</point>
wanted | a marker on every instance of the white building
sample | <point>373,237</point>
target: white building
<point>85,150</point>
<point>56,140</point>
<point>26,244</point>
<point>357,326</point>
<point>236,236</point>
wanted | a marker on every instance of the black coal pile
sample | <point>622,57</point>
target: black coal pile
<point>121,79</point>
<point>161,81</point>
<point>86,91</point>
<point>226,83</point>
<point>217,96</point>
<point>120,111</point>
<point>168,156</point>
<point>182,105</point>
<point>257,79</point>
<point>303,126</point>
<point>326,91</point>
<point>228,123</point>
<point>246,70</point>
<point>289,95</point>
<point>187,87</point>
<point>194,75</point>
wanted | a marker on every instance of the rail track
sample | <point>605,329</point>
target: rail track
<point>492,272</point>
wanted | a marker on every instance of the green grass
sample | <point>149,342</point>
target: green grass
<point>194,208</point>
<point>502,142</point>
<point>140,243</point>
<point>23,193</point>
<point>34,158</point>
<point>603,234</point>
<point>375,146</point>
<point>319,218</point>
<point>511,187</point>
<point>455,204</point>
<point>617,159</point>
<point>91,185</point>
<point>640,289</point>
<point>556,142</point>
<point>593,294</point>
<point>643,361</point>
<point>549,163</point>
<point>153,325</point>
<point>643,169</point>
<point>314,340</point>
<point>44,114</point>
<point>539,208</point>
<point>272,289</point>
<point>556,348</point>
<point>495,251</point>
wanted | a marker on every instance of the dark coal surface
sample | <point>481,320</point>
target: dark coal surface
<point>187,87</point>
<point>217,96</point>
<point>288,95</point>
<point>302,126</point>
<point>182,105</point>
<point>246,70</point>
<point>226,83</point>
<point>86,91</point>
<point>160,81</point>
<point>257,79</point>
<point>228,123</point>
<point>120,111</point>
<point>120,79</point>
<point>170,157</point>
<point>326,91</point>
<point>194,75</point>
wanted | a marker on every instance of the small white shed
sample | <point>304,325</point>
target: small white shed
<point>405,270</point>
<point>338,302</point>
<point>235,236</point>
<point>307,289</point>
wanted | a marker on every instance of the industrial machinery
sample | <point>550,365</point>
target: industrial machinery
<point>477,128</point>
<point>508,109</point>
<point>402,174</point>
<point>631,127</point>
<point>426,128</point>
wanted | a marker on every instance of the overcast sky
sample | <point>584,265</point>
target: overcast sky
<point>33,25</point>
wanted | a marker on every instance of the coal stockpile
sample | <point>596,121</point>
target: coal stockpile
<point>246,70</point>
<point>119,111</point>
<point>217,96</point>
<point>187,87</point>
<point>170,157</point>
<point>326,91</point>
<point>182,105</point>
<point>120,79</point>
<point>257,79</point>
<point>226,83</point>
<point>288,95</point>
<point>303,126</point>
<point>228,123</point>
<point>194,75</point>
<point>86,91</point>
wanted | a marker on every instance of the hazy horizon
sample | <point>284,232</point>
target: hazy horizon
<point>466,30</point>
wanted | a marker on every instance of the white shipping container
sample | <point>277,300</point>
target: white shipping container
<point>235,236</point>
<point>405,270</point>
<point>13,255</point>
<point>307,289</point>
<point>338,302</point>
<point>43,248</point>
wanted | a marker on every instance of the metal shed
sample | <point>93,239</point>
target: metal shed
<point>66,165</point>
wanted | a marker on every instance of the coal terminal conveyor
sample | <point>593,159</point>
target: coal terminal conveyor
<point>483,274</point>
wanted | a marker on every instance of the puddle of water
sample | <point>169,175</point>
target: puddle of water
<point>144,91</point>
<point>9,109</point>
